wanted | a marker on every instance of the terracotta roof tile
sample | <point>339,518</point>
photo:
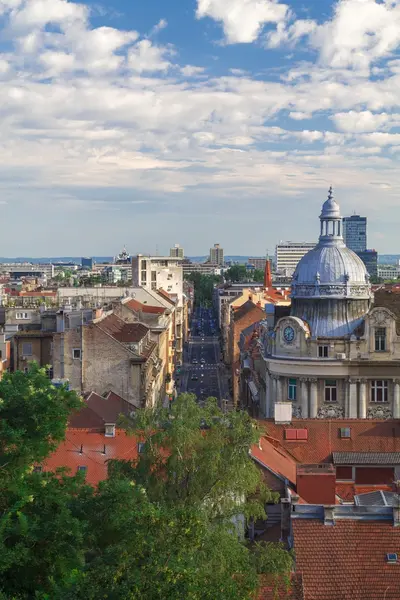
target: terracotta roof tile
<point>136,306</point>
<point>324,437</point>
<point>92,444</point>
<point>121,331</point>
<point>347,561</point>
<point>270,591</point>
<point>275,459</point>
<point>347,491</point>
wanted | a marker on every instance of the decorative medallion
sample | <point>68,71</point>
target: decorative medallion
<point>379,412</point>
<point>330,412</point>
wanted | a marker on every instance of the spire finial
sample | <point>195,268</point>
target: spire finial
<point>330,193</point>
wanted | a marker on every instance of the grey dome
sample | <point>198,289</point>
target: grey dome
<point>330,287</point>
<point>330,265</point>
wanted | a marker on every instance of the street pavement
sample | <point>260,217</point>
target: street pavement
<point>203,373</point>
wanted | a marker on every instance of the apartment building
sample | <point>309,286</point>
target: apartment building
<point>288,255</point>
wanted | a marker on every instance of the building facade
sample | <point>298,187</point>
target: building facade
<point>370,260</point>
<point>202,268</point>
<point>388,271</point>
<point>355,233</point>
<point>257,263</point>
<point>288,255</point>
<point>335,355</point>
<point>216,256</point>
<point>177,252</point>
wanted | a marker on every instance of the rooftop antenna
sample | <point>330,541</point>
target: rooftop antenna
<point>157,250</point>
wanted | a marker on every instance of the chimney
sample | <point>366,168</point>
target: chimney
<point>329,515</point>
<point>267,275</point>
<point>316,484</point>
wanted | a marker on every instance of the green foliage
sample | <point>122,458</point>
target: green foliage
<point>33,418</point>
<point>274,560</point>
<point>196,456</point>
<point>160,528</point>
<point>203,287</point>
<point>239,273</point>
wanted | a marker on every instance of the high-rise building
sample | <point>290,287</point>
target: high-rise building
<point>257,263</point>
<point>370,260</point>
<point>216,255</point>
<point>355,233</point>
<point>288,254</point>
<point>87,262</point>
<point>177,252</point>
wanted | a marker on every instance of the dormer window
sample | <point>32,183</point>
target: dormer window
<point>323,351</point>
<point>109,429</point>
<point>380,339</point>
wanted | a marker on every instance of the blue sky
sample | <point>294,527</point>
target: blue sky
<point>149,123</point>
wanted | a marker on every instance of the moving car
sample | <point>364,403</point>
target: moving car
<point>194,377</point>
<point>195,361</point>
<point>202,360</point>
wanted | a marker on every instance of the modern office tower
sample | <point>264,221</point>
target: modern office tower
<point>355,233</point>
<point>288,254</point>
<point>370,260</point>
<point>177,252</point>
<point>216,255</point>
<point>87,262</point>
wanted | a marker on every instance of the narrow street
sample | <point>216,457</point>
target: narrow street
<point>203,373</point>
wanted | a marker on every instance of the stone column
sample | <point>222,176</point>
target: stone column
<point>268,396</point>
<point>313,398</point>
<point>362,410</point>
<point>304,397</point>
<point>274,381</point>
<point>396,398</point>
<point>352,398</point>
<point>279,386</point>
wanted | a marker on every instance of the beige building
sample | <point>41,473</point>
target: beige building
<point>336,355</point>
<point>111,355</point>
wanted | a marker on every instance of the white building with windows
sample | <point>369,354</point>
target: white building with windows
<point>336,355</point>
<point>288,256</point>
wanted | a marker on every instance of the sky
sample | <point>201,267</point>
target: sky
<point>155,122</point>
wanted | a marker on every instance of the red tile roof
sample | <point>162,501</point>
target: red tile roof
<point>323,437</point>
<point>166,296</point>
<point>121,331</point>
<point>274,458</point>
<point>347,491</point>
<point>136,306</point>
<point>99,410</point>
<point>269,590</point>
<point>92,444</point>
<point>347,560</point>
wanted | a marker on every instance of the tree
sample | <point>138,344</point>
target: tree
<point>164,527</point>
<point>40,538</point>
<point>33,418</point>
<point>203,287</point>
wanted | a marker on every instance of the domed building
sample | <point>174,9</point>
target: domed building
<point>336,355</point>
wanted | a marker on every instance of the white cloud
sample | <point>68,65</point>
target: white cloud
<point>242,20</point>
<point>145,57</point>
<point>363,121</point>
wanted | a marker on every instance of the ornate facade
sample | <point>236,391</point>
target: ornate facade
<point>335,356</point>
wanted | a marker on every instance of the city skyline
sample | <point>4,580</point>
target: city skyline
<point>223,121</point>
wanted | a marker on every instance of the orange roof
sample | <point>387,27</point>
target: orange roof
<point>135,305</point>
<point>275,459</point>
<point>347,491</point>
<point>121,331</point>
<point>347,561</point>
<point>269,590</point>
<point>86,448</point>
<point>367,435</point>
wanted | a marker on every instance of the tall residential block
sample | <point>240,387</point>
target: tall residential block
<point>355,233</point>
<point>288,254</point>
<point>177,252</point>
<point>370,260</point>
<point>216,255</point>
